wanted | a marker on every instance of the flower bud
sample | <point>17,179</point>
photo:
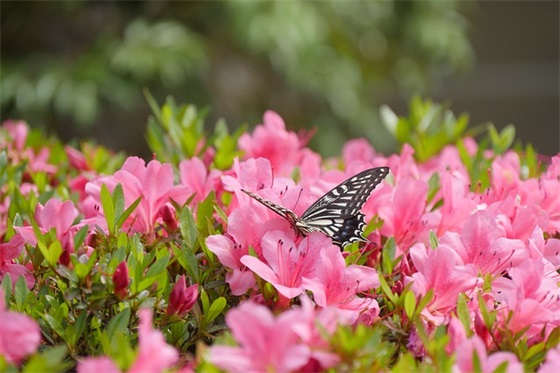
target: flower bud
<point>182,299</point>
<point>121,280</point>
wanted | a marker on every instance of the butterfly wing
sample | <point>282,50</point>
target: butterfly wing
<point>283,212</point>
<point>338,213</point>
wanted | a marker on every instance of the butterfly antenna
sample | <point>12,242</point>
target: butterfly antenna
<point>297,200</point>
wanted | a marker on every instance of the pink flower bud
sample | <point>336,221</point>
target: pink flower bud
<point>121,280</point>
<point>182,299</point>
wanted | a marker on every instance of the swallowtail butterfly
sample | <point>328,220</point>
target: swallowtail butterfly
<point>337,214</point>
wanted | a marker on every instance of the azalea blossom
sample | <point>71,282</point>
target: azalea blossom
<point>152,183</point>
<point>20,335</point>
<point>287,263</point>
<point>252,326</point>
<point>337,286</point>
<point>488,362</point>
<point>271,140</point>
<point>55,215</point>
<point>154,354</point>
<point>182,298</point>
<point>8,252</point>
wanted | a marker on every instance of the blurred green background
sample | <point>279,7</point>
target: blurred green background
<point>78,68</point>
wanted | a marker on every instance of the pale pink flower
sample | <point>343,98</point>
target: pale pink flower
<point>8,252</point>
<point>272,141</point>
<point>402,211</point>
<point>484,244</point>
<point>551,362</point>
<point>55,215</point>
<point>20,335</point>
<point>195,179</point>
<point>548,250</point>
<point>337,286</point>
<point>438,271</point>
<point>488,363</point>
<point>531,295</point>
<point>286,262</point>
<point>98,364</point>
<point>266,343</point>
<point>152,183</point>
<point>458,203</point>
<point>154,354</point>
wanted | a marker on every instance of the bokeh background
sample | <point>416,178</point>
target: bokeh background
<point>78,68</point>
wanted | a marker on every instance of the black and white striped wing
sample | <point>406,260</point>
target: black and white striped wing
<point>338,213</point>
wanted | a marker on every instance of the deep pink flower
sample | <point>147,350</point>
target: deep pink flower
<point>337,286</point>
<point>98,364</point>
<point>488,363</point>
<point>287,263</point>
<point>8,252</point>
<point>154,354</point>
<point>152,183</point>
<point>121,280</point>
<point>266,344</point>
<point>20,335</point>
<point>55,215</point>
<point>272,141</point>
<point>182,298</point>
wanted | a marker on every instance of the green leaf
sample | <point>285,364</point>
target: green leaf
<point>21,291</point>
<point>119,323</point>
<point>387,290</point>
<point>127,212</point>
<point>463,312</point>
<point>215,310</point>
<point>51,359</point>
<point>108,208</point>
<point>188,227</point>
<point>118,200</point>
<point>434,243</point>
<point>409,304</point>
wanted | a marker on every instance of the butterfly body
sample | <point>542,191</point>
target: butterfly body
<point>338,213</point>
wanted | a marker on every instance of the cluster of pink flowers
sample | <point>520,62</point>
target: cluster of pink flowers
<point>498,246</point>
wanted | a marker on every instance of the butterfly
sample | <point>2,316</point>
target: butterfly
<point>338,213</point>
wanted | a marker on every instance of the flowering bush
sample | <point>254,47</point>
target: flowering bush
<point>109,263</point>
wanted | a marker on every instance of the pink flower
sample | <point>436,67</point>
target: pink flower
<point>337,286</point>
<point>402,211</point>
<point>551,362</point>
<point>287,263</point>
<point>20,335</point>
<point>55,215</point>
<point>483,244</point>
<point>97,364</point>
<point>151,183</point>
<point>182,298</point>
<point>8,252</point>
<point>266,344</point>
<point>195,179</point>
<point>121,280</point>
<point>488,363</point>
<point>438,271</point>
<point>154,354</point>
<point>272,141</point>
<point>531,295</point>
